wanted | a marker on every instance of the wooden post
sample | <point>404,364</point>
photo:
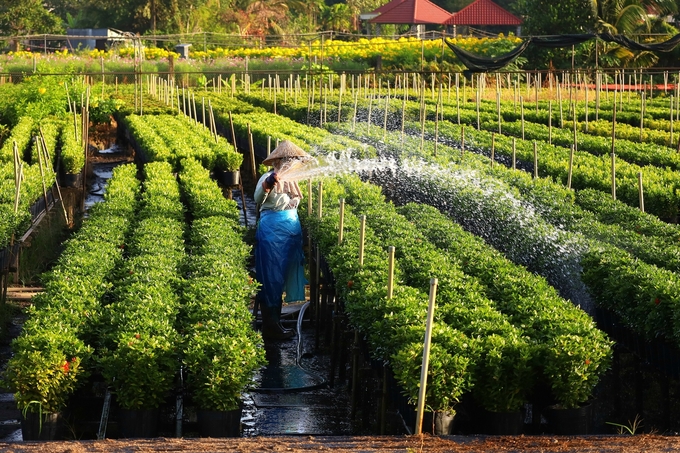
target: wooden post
<point>387,106</point>
<point>462,140</point>
<point>642,113</point>
<point>493,148</point>
<point>535,160</point>
<point>320,200</point>
<point>233,134</point>
<point>670,143</point>
<point>550,122</point>
<point>521,104</point>
<point>341,226</point>
<point>642,197</point>
<point>498,107</point>
<point>426,358</point>
<point>252,154</point>
<point>362,238</point>
<point>613,176</point>
<point>390,272</point>
<point>613,150</point>
<point>514,153</point>
<point>309,197</point>
<point>571,167</point>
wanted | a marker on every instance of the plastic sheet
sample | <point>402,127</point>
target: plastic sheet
<point>279,258</point>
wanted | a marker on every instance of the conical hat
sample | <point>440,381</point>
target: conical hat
<point>285,149</point>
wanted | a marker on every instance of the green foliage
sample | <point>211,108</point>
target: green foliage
<point>52,356</point>
<point>221,351</point>
<point>569,17</point>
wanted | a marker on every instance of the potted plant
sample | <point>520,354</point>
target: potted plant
<point>228,164</point>
<point>45,370</point>
<point>573,366</point>
<point>503,378</point>
<point>72,156</point>
<point>448,378</point>
<point>221,365</point>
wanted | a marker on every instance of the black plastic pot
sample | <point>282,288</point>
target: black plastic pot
<point>230,178</point>
<point>71,179</point>
<point>503,423</point>
<point>443,423</point>
<point>219,423</point>
<point>33,429</point>
<point>570,421</point>
<point>138,423</point>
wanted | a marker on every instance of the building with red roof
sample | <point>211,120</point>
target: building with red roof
<point>484,13</point>
<point>412,12</point>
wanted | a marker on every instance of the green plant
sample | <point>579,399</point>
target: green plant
<point>631,428</point>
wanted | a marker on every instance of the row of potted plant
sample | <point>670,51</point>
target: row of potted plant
<point>138,342</point>
<point>16,223</point>
<point>52,356</point>
<point>72,151</point>
<point>572,371</point>
<point>561,259</point>
<point>171,138</point>
<point>597,141</point>
<point>394,326</point>
<point>220,348</point>
<point>588,171</point>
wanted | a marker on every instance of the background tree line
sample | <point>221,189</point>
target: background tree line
<point>646,19</point>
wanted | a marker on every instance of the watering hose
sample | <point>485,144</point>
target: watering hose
<point>321,381</point>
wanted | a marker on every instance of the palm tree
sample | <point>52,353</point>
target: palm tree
<point>258,17</point>
<point>632,17</point>
<point>337,17</point>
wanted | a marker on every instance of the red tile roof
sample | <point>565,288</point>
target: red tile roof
<point>483,12</point>
<point>410,12</point>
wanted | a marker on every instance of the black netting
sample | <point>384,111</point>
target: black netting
<point>475,63</point>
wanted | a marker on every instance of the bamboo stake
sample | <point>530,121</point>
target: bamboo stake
<point>642,197</point>
<point>493,148</point>
<point>233,134</point>
<point>613,176</point>
<point>387,105</point>
<point>521,103</point>
<point>362,238</point>
<point>320,200</point>
<point>642,113</point>
<point>613,151</point>
<point>426,357</point>
<point>671,123</point>
<point>498,108</point>
<point>309,197</point>
<point>341,227</point>
<point>436,128</point>
<point>571,167</point>
<point>252,154</point>
<point>390,272</point>
<point>514,153</point>
<point>535,160</point>
<point>38,145</point>
<point>462,140</point>
<point>550,122</point>
<point>458,97</point>
<point>56,182</point>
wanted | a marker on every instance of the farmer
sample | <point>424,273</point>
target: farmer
<point>278,250</point>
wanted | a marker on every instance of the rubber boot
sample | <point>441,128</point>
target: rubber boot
<point>271,327</point>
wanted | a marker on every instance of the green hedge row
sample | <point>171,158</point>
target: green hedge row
<point>220,349</point>
<point>53,354</point>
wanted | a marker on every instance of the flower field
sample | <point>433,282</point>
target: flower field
<point>519,209</point>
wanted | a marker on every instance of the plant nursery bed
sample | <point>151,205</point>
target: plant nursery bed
<point>586,444</point>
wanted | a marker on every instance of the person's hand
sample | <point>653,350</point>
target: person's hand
<point>269,183</point>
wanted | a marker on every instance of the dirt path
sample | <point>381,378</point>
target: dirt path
<point>414,444</point>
